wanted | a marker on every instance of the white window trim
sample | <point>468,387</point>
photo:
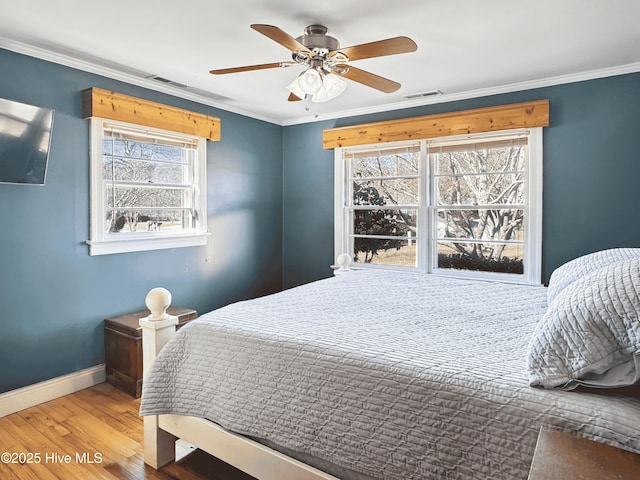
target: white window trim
<point>425,264</point>
<point>100,244</point>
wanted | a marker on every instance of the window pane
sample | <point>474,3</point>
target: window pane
<point>487,257</point>
<point>385,252</point>
<point>138,176</point>
<point>386,192</point>
<point>481,189</point>
<point>142,221</point>
<point>127,197</point>
<point>130,161</point>
<point>127,148</point>
<point>141,171</point>
<point>396,223</point>
<point>491,160</point>
<point>481,224</point>
<point>394,165</point>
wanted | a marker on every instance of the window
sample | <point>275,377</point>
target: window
<point>148,188</point>
<point>383,204</point>
<point>466,206</point>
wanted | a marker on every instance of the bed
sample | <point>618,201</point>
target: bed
<point>396,375</point>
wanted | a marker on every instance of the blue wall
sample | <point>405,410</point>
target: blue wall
<point>591,172</point>
<point>54,296</point>
<point>308,209</point>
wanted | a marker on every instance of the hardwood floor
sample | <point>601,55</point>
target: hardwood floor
<point>92,434</point>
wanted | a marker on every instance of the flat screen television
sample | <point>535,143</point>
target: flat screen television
<point>25,137</point>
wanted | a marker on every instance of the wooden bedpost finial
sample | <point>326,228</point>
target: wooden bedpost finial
<point>157,301</point>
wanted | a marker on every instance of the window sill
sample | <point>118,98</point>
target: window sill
<point>516,278</point>
<point>130,244</point>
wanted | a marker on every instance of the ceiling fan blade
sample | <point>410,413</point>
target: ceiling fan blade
<point>293,98</point>
<point>280,36</point>
<point>370,79</point>
<point>390,46</point>
<point>249,68</point>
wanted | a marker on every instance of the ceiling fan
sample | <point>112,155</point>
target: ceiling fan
<point>327,62</point>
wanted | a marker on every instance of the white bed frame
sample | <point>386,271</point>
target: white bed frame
<point>162,431</point>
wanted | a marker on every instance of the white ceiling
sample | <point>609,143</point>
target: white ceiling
<point>465,47</point>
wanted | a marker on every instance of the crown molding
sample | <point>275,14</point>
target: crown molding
<point>482,92</point>
<point>115,74</point>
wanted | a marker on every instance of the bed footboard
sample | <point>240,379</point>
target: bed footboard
<point>162,431</point>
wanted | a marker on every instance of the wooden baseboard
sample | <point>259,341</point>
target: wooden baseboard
<point>32,395</point>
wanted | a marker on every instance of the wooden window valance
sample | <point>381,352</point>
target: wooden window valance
<point>116,106</point>
<point>481,120</point>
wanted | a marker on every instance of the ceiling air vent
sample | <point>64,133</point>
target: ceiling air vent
<point>415,96</point>
<point>166,81</point>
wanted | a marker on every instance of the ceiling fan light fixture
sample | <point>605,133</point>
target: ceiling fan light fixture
<point>294,87</point>
<point>332,87</point>
<point>310,81</point>
<point>317,86</point>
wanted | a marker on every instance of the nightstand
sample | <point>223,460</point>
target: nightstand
<point>561,456</point>
<point>123,347</point>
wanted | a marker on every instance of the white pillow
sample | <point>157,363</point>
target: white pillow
<point>590,334</point>
<point>581,266</point>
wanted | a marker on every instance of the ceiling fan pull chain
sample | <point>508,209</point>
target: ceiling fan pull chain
<point>308,101</point>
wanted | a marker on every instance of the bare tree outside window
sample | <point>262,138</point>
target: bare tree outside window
<point>477,205</point>
<point>385,199</point>
<point>148,185</point>
<point>480,199</point>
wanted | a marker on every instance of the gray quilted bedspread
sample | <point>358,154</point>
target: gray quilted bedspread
<point>394,375</point>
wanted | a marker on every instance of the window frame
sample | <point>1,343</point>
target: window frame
<point>427,252</point>
<point>102,242</point>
